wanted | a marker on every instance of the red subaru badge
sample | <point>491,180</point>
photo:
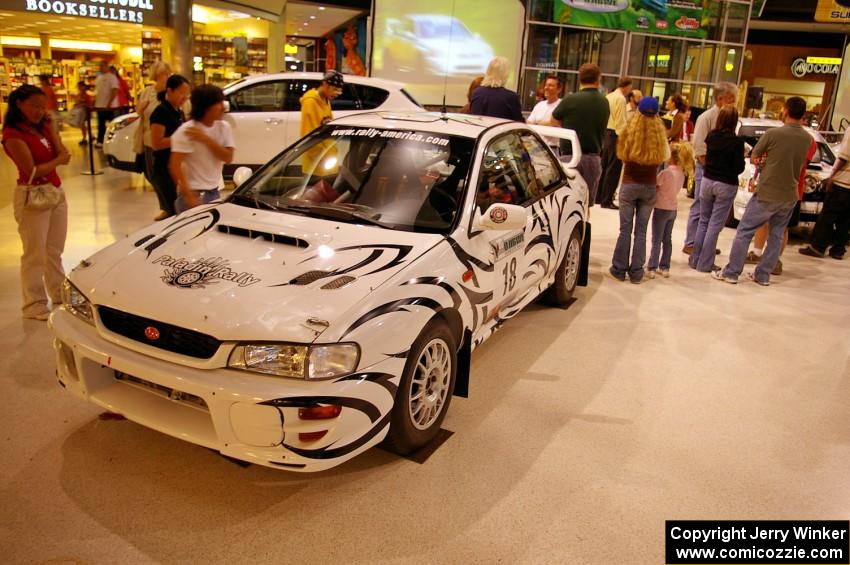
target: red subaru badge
<point>151,333</point>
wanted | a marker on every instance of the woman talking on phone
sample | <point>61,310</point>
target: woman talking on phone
<point>40,209</point>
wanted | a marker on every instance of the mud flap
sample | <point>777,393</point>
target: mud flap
<point>464,358</point>
<point>585,256</point>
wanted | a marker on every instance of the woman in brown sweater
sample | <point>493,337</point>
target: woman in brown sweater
<point>642,148</point>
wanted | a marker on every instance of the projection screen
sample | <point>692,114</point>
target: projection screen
<point>428,43</point>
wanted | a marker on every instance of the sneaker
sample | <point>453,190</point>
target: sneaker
<point>613,274</point>
<point>688,249</point>
<point>665,273</point>
<point>650,274</point>
<point>718,275</point>
<point>84,142</point>
<point>811,251</point>
<point>637,281</point>
<point>752,258</point>
<point>162,216</point>
<point>752,277</point>
<point>777,270</point>
<point>836,256</point>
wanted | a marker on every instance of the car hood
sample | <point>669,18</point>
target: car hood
<point>239,273</point>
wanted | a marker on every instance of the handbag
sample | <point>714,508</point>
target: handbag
<point>41,196</point>
<point>76,117</point>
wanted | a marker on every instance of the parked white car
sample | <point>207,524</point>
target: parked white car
<point>751,129</point>
<point>334,299</point>
<point>265,114</point>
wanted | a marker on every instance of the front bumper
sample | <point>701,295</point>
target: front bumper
<point>247,416</point>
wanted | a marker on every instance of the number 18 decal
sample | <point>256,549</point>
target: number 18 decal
<point>510,275</point>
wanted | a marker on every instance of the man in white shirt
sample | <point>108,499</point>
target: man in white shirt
<point>106,89</point>
<point>199,150</point>
<point>542,112</point>
<point>632,101</point>
<point>611,166</point>
<point>724,93</point>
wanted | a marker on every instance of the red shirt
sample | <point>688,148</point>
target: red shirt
<point>802,182</point>
<point>40,147</point>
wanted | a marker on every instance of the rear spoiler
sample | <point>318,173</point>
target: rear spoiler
<point>563,133</point>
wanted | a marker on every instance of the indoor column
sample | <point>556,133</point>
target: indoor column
<point>180,21</point>
<point>276,62</point>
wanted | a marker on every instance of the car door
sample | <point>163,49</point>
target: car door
<point>504,178</point>
<point>258,121</point>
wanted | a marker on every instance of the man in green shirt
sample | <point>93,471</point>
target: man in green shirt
<point>586,112</point>
<point>783,153</point>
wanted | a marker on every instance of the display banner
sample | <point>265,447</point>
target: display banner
<point>665,17</point>
<point>150,12</point>
<point>834,11</point>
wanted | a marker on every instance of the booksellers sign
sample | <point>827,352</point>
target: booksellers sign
<point>151,12</point>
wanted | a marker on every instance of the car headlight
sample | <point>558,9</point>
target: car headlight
<point>76,303</point>
<point>121,124</point>
<point>811,184</point>
<point>313,362</point>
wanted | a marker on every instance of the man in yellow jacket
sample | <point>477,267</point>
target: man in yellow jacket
<point>316,102</point>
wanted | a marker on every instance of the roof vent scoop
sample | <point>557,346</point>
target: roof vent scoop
<point>339,282</point>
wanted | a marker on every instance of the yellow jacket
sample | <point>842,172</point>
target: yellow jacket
<point>315,111</point>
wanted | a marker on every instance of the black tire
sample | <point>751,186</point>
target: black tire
<point>406,433</point>
<point>567,274</point>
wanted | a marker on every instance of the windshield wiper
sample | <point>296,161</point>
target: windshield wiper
<point>335,213</point>
<point>254,202</point>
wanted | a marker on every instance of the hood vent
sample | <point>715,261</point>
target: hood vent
<point>339,282</point>
<point>310,277</point>
<point>272,237</point>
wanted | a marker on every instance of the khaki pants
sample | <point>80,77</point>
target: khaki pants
<point>43,237</point>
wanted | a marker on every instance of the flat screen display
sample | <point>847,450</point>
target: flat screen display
<point>426,43</point>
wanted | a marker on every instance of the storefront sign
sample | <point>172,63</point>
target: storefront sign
<point>150,12</point>
<point>666,17</point>
<point>815,65</point>
<point>836,11</point>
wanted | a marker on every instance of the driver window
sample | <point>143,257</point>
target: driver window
<point>507,174</point>
<point>263,97</point>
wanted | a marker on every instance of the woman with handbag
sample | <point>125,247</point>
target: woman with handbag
<point>142,144</point>
<point>39,203</point>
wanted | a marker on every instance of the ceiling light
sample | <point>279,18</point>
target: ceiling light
<point>312,17</point>
<point>321,7</point>
<point>306,23</point>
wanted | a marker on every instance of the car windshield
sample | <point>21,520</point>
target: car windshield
<point>751,135</point>
<point>433,29</point>
<point>393,178</point>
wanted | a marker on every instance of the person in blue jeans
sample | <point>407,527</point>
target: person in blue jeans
<point>725,93</point>
<point>668,183</point>
<point>783,151</point>
<point>641,148</point>
<point>724,161</point>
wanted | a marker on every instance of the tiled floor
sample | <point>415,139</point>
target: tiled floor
<point>682,398</point>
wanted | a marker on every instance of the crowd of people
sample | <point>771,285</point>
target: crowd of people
<point>627,146</point>
<point>184,160</point>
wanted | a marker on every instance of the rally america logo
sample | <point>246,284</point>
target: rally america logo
<point>198,273</point>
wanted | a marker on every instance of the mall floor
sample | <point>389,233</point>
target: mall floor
<point>585,429</point>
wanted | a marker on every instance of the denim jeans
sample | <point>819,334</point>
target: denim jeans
<point>693,215</point>
<point>758,213</point>
<point>204,197</point>
<point>636,203</point>
<point>662,238</point>
<point>716,199</point>
<point>590,168</point>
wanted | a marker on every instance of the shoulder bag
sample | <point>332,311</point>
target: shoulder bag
<point>41,196</point>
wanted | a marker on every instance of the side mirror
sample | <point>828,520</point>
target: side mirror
<point>501,217</point>
<point>241,175</point>
<point>226,106</point>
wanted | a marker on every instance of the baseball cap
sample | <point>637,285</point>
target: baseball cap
<point>648,106</point>
<point>333,78</point>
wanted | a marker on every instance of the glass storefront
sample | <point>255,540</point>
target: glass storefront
<point>660,64</point>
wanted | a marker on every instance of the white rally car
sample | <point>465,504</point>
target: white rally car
<point>819,168</point>
<point>264,112</point>
<point>332,301</point>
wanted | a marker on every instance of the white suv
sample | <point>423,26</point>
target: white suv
<point>265,114</point>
